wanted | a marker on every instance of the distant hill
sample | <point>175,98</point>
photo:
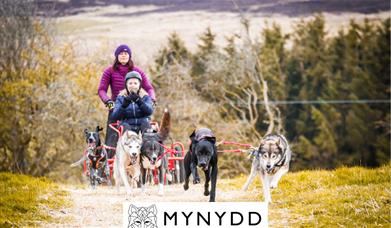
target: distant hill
<point>284,7</point>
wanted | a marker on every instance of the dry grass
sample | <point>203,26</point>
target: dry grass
<point>27,201</point>
<point>348,197</point>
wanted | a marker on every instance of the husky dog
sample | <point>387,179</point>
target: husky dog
<point>271,161</point>
<point>127,160</point>
<point>153,154</point>
<point>142,217</point>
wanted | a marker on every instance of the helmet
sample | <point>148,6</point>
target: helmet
<point>133,74</point>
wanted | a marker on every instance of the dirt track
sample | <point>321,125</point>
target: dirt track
<point>103,207</point>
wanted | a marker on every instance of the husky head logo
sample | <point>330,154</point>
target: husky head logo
<point>142,217</point>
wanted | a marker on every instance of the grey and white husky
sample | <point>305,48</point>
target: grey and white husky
<point>127,160</point>
<point>271,161</point>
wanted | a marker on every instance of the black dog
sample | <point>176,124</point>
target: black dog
<point>202,153</point>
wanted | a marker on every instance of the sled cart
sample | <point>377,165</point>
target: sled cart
<point>175,153</point>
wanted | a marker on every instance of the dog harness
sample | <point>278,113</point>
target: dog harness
<point>203,133</point>
<point>97,158</point>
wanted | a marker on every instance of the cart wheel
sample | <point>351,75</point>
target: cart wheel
<point>180,173</point>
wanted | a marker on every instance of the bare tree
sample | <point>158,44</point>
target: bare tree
<point>246,98</point>
<point>18,41</point>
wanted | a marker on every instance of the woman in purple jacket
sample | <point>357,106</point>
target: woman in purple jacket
<point>114,76</point>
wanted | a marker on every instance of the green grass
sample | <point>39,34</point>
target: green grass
<point>24,200</point>
<point>345,197</point>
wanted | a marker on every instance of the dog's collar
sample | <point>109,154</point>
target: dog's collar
<point>97,147</point>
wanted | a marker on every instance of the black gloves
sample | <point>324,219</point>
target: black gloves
<point>109,104</point>
<point>134,97</point>
<point>126,102</point>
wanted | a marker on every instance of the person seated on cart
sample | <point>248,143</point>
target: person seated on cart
<point>133,106</point>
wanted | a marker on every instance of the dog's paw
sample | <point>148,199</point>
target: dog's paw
<point>185,187</point>
<point>206,193</point>
<point>196,181</point>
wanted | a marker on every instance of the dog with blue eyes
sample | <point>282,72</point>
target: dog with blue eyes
<point>202,154</point>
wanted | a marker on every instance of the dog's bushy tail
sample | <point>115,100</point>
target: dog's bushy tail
<point>165,125</point>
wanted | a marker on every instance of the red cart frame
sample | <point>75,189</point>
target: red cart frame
<point>172,150</point>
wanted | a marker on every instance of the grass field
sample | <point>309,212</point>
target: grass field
<point>28,201</point>
<point>347,197</point>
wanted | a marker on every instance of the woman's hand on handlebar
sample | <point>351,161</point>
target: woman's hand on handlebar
<point>110,104</point>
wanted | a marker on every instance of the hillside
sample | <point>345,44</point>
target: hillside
<point>285,7</point>
<point>145,27</point>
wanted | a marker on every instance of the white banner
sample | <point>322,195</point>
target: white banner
<point>195,214</point>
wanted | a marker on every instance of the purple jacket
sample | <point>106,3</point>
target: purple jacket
<point>116,80</point>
